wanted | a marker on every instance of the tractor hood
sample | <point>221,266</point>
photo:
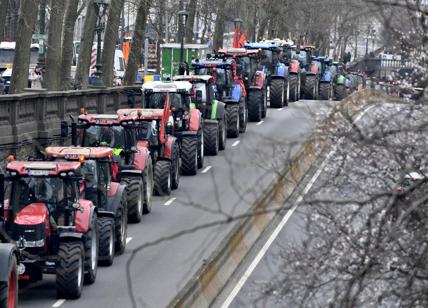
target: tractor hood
<point>32,214</point>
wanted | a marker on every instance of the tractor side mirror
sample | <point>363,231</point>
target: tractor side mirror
<point>64,129</point>
<point>198,97</point>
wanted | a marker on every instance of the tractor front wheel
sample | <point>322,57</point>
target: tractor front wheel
<point>294,95</point>
<point>277,93</point>
<point>212,137</point>
<point>222,134</point>
<point>255,105</point>
<point>265,104</point>
<point>325,90</point>
<point>243,115</point>
<point>70,270</point>
<point>148,187</point>
<point>121,227</point>
<point>232,113</point>
<point>201,148</point>
<point>175,166</point>
<point>310,87</point>
<point>340,92</point>
<point>9,289</point>
<point>91,252</point>
<point>135,194</point>
<point>189,155</point>
<point>162,178</point>
<point>106,243</point>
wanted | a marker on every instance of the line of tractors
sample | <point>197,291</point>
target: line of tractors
<point>67,212</point>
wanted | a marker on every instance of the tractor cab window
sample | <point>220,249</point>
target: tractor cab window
<point>148,130</point>
<point>90,175</point>
<point>104,181</point>
<point>200,86</point>
<point>110,136</point>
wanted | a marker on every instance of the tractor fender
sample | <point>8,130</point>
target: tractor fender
<point>313,69</point>
<point>260,80</point>
<point>169,145</point>
<point>217,110</point>
<point>294,67</point>
<point>7,251</point>
<point>281,71</point>
<point>230,101</point>
<point>113,199</point>
<point>141,156</point>
<point>210,122</point>
<point>195,120</point>
<point>326,77</point>
<point>104,213</point>
<point>70,236</point>
<point>340,80</point>
<point>236,92</point>
<point>221,111</point>
<point>84,217</point>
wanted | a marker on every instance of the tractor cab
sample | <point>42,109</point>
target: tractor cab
<point>272,59</point>
<point>51,223</point>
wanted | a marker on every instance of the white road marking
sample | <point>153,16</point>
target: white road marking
<point>280,109</point>
<point>206,169</point>
<point>260,123</point>
<point>236,143</point>
<point>128,239</point>
<point>170,201</point>
<point>281,225</point>
<point>58,303</point>
<point>273,236</point>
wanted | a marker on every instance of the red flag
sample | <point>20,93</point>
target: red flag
<point>236,38</point>
<point>243,39</point>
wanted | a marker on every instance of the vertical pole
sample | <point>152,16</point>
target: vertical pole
<point>146,56</point>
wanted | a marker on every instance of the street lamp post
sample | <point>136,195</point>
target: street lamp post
<point>42,35</point>
<point>100,11</point>
<point>182,19</point>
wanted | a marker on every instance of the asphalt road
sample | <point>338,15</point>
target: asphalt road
<point>345,173</point>
<point>228,185</point>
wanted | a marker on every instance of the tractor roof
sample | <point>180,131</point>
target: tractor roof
<point>308,47</point>
<point>38,168</point>
<point>220,63</point>
<point>261,46</point>
<point>78,152</point>
<point>238,52</point>
<point>102,119</point>
<point>167,86</point>
<point>142,114</point>
<point>194,78</point>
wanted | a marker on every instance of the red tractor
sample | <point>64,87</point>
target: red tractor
<point>133,157</point>
<point>248,63</point>
<point>185,121</point>
<point>152,127</point>
<point>55,230</point>
<point>99,172</point>
<point>8,266</point>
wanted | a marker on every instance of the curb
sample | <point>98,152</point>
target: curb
<point>202,289</point>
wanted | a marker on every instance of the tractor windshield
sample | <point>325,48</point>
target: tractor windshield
<point>148,130</point>
<point>27,190</point>
<point>157,101</point>
<point>110,136</point>
<point>200,86</point>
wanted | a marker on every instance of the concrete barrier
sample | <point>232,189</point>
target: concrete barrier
<point>210,279</point>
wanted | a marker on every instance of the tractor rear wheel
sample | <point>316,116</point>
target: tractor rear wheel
<point>325,90</point>
<point>148,187</point>
<point>121,227</point>
<point>189,155</point>
<point>243,115</point>
<point>232,113</point>
<point>294,97</point>
<point>162,178</point>
<point>134,194</point>
<point>175,166</point>
<point>222,134</point>
<point>340,92</point>
<point>91,252</point>
<point>310,87</point>
<point>106,243</point>
<point>9,289</point>
<point>212,137</point>
<point>255,107</point>
<point>277,93</point>
<point>69,270</point>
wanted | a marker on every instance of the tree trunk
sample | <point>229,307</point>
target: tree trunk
<point>26,24</point>
<point>52,78</point>
<point>161,35</point>
<point>67,43</point>
<point>191,21</point>
<point>110,40</point>
<point>85,51</point>
<point>136,54</point>
<point>219,26</point>
<point>3,12</point>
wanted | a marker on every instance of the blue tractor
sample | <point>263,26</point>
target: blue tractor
<point>328,75</point>
<point>230,89</point>
<point>277,73</point>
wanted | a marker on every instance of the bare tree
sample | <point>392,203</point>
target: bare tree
<point>21,61</point>
<point>191,20</point>
<point>4,4</point>
<point>135,56</point>
<point>219,25</point>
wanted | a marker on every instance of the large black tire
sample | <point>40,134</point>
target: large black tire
<point>175,166</point>
<point>121,227</point>
<point>9,289</point>
<point>294,97</point>
<point>212,136</point>
<point>91,252</point>
<point>162,178</point>
<point>148,187</point>
<point>70,270</point>
<point>189,155</point>
<point>265,104</point>
<point>135,198</point>
<point>277,93</point>
<point>232,115</point>
<point>340,92</point>
<point>310,87</point>
<point>243,115</point>
<point>325,90</point>
<point>106,242</point>
<point>201,148</point>
<point>255,105</point>
<point>222,134</point>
